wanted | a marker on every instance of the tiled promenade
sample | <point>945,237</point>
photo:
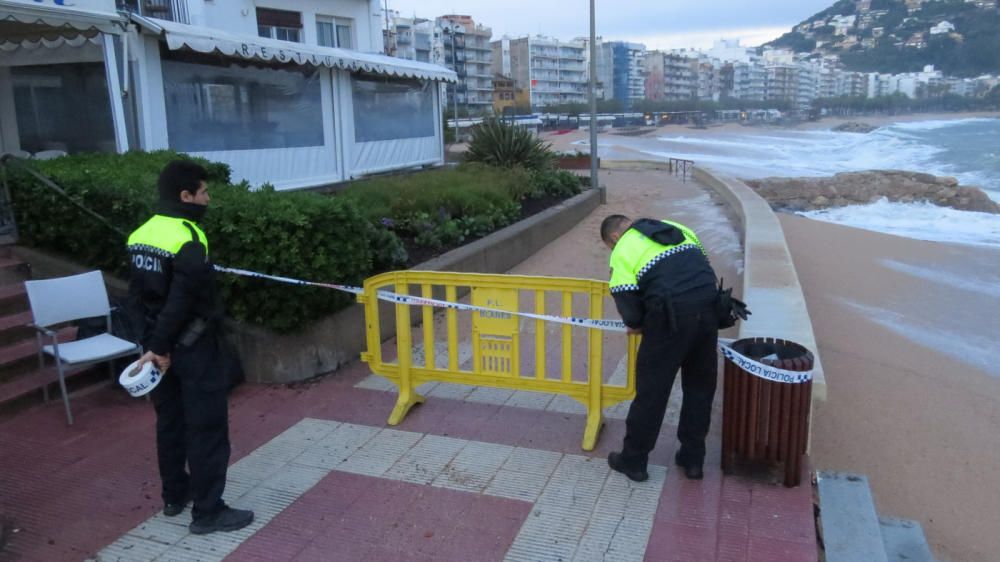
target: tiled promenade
<point>472,474</point>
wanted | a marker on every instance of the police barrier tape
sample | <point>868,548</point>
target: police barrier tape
<point>751,366</point>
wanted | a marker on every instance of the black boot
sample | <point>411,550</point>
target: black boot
<point>174,508</point>
<point>616,464</point>
<point>692,471</point>
<point>228,519</point>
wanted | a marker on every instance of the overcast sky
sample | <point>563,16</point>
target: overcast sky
<point>660,24</point>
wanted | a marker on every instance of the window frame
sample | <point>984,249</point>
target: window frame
<point>336,23</point>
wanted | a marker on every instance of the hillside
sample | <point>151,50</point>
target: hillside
<point>959,37</point>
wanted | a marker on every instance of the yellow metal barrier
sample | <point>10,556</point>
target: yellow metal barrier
<point>498,339</point>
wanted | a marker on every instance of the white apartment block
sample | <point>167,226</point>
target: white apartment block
<point>455,42</point>
<point>553,71</point>
<point>416,39</point>
<point>295,93</point>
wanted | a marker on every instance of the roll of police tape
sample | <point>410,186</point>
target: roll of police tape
<point>139,382</point>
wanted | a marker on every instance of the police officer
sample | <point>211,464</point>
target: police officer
<point>665,289</point>
<point>172,295</point>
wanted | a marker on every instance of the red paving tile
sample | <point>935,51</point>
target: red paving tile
<point>389,521</point>
<point>53,476</point>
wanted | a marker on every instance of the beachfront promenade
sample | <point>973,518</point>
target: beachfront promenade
<point>473,474</point>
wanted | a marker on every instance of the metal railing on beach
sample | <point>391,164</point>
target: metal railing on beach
<point>680,166</point>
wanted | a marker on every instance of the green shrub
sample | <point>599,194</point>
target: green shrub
<point>442,208</point>
<point>303,235</point>
<point>507,146</point>
<point>556,183</point>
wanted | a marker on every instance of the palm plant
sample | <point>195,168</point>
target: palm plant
<point>496,143</point>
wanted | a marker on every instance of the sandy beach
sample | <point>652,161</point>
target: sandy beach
<point>905,329</point>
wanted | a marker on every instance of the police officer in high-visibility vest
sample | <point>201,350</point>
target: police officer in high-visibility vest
<point>172,295</point>
<point>664,288</point>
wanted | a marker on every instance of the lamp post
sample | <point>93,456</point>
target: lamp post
<point>454,89</point>
<point>593,107</point>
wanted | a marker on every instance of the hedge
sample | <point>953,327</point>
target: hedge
<point>304,235</point>
<point>342,238</point>
<point>443,208</point>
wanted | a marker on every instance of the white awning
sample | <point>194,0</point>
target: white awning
<point>79,40</point>
<point>179,36</point>
<point>54,20</point>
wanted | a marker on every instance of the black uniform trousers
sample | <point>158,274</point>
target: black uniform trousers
<point>192,427</point>
<point>690,346</point>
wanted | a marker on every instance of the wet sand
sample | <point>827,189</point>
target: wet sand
<point>907,332</point>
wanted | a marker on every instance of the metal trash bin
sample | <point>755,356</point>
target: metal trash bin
<point>766,403</point>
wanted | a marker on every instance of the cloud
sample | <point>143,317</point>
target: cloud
<point>750,37</point>
<point>628,20</point>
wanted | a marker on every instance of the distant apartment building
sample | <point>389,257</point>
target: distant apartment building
<point>412,38</point>
<point>782,82</point>
<point>741,80</point>
<point>942,28</point>
<point>671,75</point>
<point>853,84</point>
<point>620,68</point>
<point>465,48</point>
<point>551,71</point>
<point>501,57</point>
<point>878,85</point>
<point>503,93</point>
<point>919,84</point>
<point>730,50</point>
<point>456,42</point>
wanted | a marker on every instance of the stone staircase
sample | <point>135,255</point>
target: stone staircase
<point>22,379</point>
<point>852,530</point>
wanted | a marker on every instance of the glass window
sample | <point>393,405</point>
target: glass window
<point>344,40</point>
<point>282,33</point>
<point>63,107</point>
<point>388,109</point>
<point>279,24</point>
<point>325,33</point>
<point>334,32</point>
<point>286,34</point>
<point>236,107</point>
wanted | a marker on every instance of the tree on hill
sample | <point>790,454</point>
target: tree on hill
<point>794,41</point>
<point>841,8</point>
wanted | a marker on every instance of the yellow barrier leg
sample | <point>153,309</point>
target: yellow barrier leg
<point>408,396</point>
<point>595,421</point>
<point>595,399</point>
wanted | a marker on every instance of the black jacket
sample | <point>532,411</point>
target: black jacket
<point>682,278</point>
<point>168,292</point>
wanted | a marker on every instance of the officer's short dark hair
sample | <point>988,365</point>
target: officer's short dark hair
<point>178,176</point>
<point>611,225</point>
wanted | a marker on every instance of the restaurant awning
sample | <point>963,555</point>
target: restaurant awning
<point>21,21</point>
<point>180,36</point>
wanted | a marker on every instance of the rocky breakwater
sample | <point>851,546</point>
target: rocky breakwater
<point>859,188</point>
<point>854,127</point>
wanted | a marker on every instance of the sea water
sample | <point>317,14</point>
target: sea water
<point>967,149</point>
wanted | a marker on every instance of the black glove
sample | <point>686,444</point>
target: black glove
<point>729,309</point>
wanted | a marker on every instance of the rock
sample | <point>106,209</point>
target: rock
<point>849,188</point>
<point>854,127</point>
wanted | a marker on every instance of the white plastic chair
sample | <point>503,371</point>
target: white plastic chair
<point>54,301</point>
<point>49,154</point>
